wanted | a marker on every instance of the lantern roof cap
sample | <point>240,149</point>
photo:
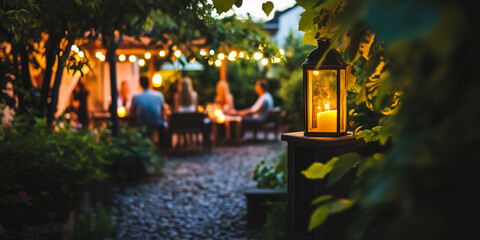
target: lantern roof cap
<point>333,57</point>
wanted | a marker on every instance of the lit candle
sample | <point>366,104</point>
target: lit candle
<point>327,121</point>
<point>121,111</point>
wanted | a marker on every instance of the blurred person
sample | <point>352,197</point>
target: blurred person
<point>224,97</point>
<point>186,99</point>
<point>259,111</point>
<point>80,107</point>
<point>148,108</point>
<point>124,96</point>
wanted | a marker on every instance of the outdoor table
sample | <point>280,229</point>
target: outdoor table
<point>233,126</point>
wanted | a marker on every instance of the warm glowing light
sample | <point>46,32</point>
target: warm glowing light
<point>316,73</point>
<point>203,52</point>
<point>218,63</point>
<point>102,58</point>
<point>212,52</point>
<point>177,53</point>
<point>241,55</point>
<point>210,62</point>
<point>276,60</point>
<point>81,54</point>
<point>148,55</point>
<point>174,47</point>
<point>121,111</point>
<point>132,58</point>
<point>218,112</point>
<point>157,80</point>
<point>264,61</point>
<point>221,56</point>
<point>98,54</point>
<point>162,53</point>
<point>122,58</point>
<point>257,56</point>
<point>327,106</point>
<point>192,59</point>
<point>282,52</point>
<point>221,119</point>
<point>141,62</point>
<point>75,48</point>
<point>200,108</point>
<point>233,54</point>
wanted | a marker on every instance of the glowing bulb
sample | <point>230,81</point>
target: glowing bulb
<point>264,61</point>
<point>327,106</point>
<point>218,112</point>
<point>316,73</point>
<point>221,56</point>
<point>276,60</point>
<point>157,80</point>
<point>192,59</point>
<point>148,55</point>
<point>218,63</point>
<point>162,53</point>
<point>257,56</point>
<point>98,54</point>
<point>102,58</point>
<point>132,58</point>
<point>121,111</point>
<point>221,119</point>
<point>177,53</point>
<point>241,55</point>
<point>81,54</point>
<point>212,52</point>
<point>141,62</point>
<point>282,52</point>
<point>200,108</point>
<point>122,58</point>
<point>203,52</point>
<point>75,48</point>
<point>210,62</point>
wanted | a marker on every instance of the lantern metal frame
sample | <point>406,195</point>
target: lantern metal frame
<point>331,61</point>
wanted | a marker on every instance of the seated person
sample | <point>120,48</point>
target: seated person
<point>148,109</point>
<point>185,100</point>
<point>259,111</point>
<point>224,97</point>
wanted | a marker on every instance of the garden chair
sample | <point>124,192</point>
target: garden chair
<point>191,123</point>
<point>271,122</point>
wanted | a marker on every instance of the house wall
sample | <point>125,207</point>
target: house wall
<point>288,22</point>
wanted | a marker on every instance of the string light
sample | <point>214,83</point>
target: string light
<point>232,56</point>
<point>122,58</point>
<point>241,55</point>
<point>157,80</point>
<point>141,62</point>
<point>218,63</point>
<point>212,52</point>
<point>162,53</point>
<point>132,58</point>
<point>75,48</point>
<point>221,56</point>
<point>210,62</point>
<point>282,52</point>
<point>81,54</point>
<point>257,56</point>
<point>276,60</point>
<point>148,55</point>
<point>98,54</point>
<point>264,61</point>
<point>203,52</point>
<point>177,53</point>
<point>102,58</point>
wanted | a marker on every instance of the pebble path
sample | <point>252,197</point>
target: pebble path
<point>199,197</point>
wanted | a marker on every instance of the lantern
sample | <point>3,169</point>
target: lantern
<point>324,92</point>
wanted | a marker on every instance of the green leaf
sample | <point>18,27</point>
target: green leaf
<point>306,21</point>
<point>267,7</point>
<point>318,217</point>
<point>310,36</point>
<point>342,166</point>
<point>319,170</point>
<point>239,3</point>
<point>321,199</point>
<point>339,205</point>
<point>223,5</point>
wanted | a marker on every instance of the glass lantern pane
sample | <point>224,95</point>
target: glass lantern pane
<point>343,102</point>
<point>322,99</point>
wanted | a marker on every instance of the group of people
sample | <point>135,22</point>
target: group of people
<point>149,108</point>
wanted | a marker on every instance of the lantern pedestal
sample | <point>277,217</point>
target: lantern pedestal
<point>302,152</point>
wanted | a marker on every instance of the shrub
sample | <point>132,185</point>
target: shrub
<point>291,92</point>
<point>272,176</point>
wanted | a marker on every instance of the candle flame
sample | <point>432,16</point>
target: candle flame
<point>327,106</point>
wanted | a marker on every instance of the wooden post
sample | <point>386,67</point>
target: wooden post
<point>151,70</point>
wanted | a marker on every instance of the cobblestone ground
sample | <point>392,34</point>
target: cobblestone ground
<point>199,196</point>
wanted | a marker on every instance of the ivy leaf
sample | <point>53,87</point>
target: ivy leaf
<point>319,170</point>
<point>321,199</point>
<point>318,217</point>
<point>223,5</point>
<point>342,166</point>
<point>267,7</point>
